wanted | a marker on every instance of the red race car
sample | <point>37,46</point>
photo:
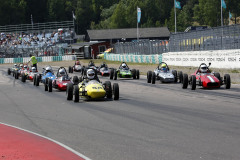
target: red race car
<point>77,67</point>
<point>61,81</point>
<point>206,79</point>
<point>103,70</point>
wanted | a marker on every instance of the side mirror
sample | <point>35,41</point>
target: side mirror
<point>209,64</point>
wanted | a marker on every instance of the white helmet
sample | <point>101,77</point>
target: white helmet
<point>62,72</point>
<point>90,74</point>
<point>203,68</point>
<point>15,65</point>
<point>124,65</point>
<point>48,69</point>
<point>25,66</point>
<point>34,69</point>
<point>21,65</point>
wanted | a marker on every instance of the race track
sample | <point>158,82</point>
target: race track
<point>149,122</point>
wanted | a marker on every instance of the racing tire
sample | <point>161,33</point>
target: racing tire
<point>50,85</point>
<point>116,91</point>
<point>153,77</point>
<point>76,93</point>
<point>75,80</point>
<point>137,74</point>
<point>115,74</point>
<point>69,69</point>
<point>34,79</point>
<point>9,71</point>
<point>217,75</point>
<point>111,73</point>
<point>13,74</point>
<point>80,79</point>
<point>108,89</point>
<point>69,91</point>
<point>180,76</point>
<point>37,80</point>
<point>174,72</point>
<point>16,74</point>
<point>134,73</point>
<point>185,81</point>
<point>23,78</point>
<point>227,81</point>
<point>46,84</point>
<point>193,82</point>
<point>149,76</point>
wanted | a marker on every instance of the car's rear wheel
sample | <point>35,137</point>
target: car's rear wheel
<point>16,74</point>
<point>193,82</point>
<point>108,89</point>
<point>34,79</point>
<point>23,78</point>
<point>134,73</point>
<point>149,76</point>
<point>180,76</point>
<point>69,69</point>
<point>115,74</point>
<point>69,91</point>
<point>111,73</point>
<point>185,81</point>
<point>46,84</point>
<point>137,74</point>
<point>76,93</point>
<point>50,85</point>
<point>174,72</point>
<point>37,80</point>
<point>227,81</point>
<point>218,76</point>
<point>9,71</point>
<point>116,91</point>
<point>153,77</point>
<point>75,80</point>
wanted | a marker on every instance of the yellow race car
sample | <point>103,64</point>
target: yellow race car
<point>92,90</point>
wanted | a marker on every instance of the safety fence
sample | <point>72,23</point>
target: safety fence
<point>142,47</point>
<point>154,58</point>
<point>39,59</point>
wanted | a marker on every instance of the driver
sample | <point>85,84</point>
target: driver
<point>62,72</point>
<point>77,63</point>
<point>91,75</point>
<point>91,63</point>
<point>163,67</point>
<point>25,67</point>
<point>124,66</point>
<point>48,69</point>
<point>204,68</point>
<point>103,65</point>
<point>34,70</point>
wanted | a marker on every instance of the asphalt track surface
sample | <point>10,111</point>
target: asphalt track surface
<point>157,122</point>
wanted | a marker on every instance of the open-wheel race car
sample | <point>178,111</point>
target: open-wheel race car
<point>23,72</point>
<point>76,68</point>
<point>103,69</point>
<point>90,87</point>
<point>164,74</point>
<point>61,81</point>
<point>14,71</point>
<point>124,72</point>
<point>46,74</point>
<point>206,79</point>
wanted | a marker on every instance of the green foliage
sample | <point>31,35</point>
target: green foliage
<point>106,14</point>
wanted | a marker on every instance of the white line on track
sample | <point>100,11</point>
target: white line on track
<point>59,143</point>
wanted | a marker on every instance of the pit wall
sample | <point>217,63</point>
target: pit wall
<point>40,59</point>
<point>217,58</point>
<point>155,59</point>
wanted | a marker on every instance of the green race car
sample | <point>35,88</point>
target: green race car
<point>124,72</point>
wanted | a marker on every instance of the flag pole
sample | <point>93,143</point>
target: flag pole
<point>175,16</point>
<point>221,15</point>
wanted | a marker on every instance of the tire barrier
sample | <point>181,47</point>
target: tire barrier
<point>39,59</point>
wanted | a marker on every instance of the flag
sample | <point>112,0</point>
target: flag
<point>138,14</point>
<point>74,17</point>
<point>177,4</point>
<point>223,4</point>
<point>230,15</point>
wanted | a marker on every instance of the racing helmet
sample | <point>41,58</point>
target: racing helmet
<point>21,65</point>
<point>77,63</point>
<point>203,68</point>
<point>62,72</point>
<point>25,66</point>
<point>15,65</point>
<point>34,69</point>
<point>90,74</point>
<point>164,67</point>
<point>48,69</point>
<point>124,65</point>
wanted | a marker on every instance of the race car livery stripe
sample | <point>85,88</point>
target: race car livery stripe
<point>18,143</point>
<point>210,78</point>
